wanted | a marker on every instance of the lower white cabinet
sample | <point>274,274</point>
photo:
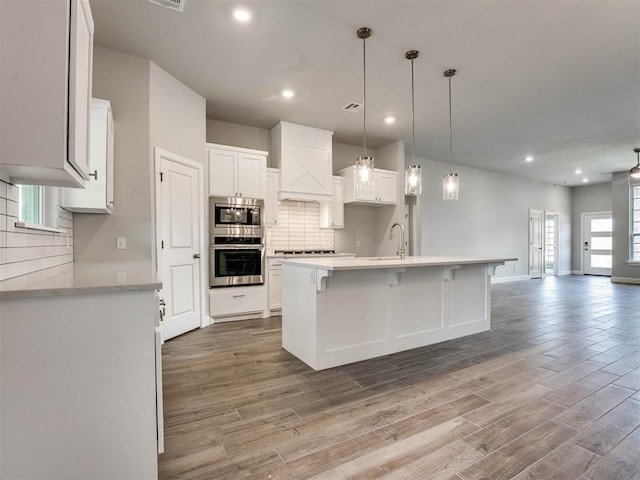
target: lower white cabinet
<point>332,213</point>
<point>228,302</point>
<point>97,197</point>
<point>275,284</point>
<point>78,386</point>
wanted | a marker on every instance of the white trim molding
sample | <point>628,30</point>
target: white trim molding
<point>518,278</point>
<point>632,281</point>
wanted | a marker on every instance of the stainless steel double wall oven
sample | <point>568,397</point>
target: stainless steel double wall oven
<point>236,241</point>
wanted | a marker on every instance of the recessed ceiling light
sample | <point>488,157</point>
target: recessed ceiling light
<point>287,93</point>
<point>389,120</point>
<point>585,180</point>
<point>578,171</point>
<point>242,15</point>
<point>528,158</point>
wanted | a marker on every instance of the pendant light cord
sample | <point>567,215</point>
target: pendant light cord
<point>364,96</point>
<point>413,116</point>
<point>450,133</point>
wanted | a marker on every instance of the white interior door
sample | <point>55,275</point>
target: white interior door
<point>597,243</point>
<point>551,224</point>
<point>179,252</point>
<point>536,239</point>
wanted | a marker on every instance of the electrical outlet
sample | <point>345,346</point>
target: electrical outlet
<point>358,243</point>
<point>121,243</point>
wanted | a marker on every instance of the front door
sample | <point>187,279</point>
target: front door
<point>536,239</point>
<point>597,243</point>
<point>179,252</point>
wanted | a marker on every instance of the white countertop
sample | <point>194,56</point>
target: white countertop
<point>362,263</point>
<point>83,277</point>
<point>309,255</point>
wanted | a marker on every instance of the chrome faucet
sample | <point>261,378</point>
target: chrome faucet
<point>400,251</point>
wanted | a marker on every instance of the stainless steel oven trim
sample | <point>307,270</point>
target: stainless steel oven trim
<point>235,230</point>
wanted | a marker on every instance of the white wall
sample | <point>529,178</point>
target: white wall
<point>150,108</point>
<point>622,271</point>
<point>124,80</point>
<point>491,217</point>
<point>586,199</point>
<point>226,133</point>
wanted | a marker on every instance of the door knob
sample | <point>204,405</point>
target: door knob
<point>196,255</point>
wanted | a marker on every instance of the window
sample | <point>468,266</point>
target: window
<point>30,204</point>
<point>38,205</point>
<point>635,223</point>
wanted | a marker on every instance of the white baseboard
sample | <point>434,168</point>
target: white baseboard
<point>576,272</point>
<point>518,278</point>
<point>633,281</point>
<point>205,321</point>
<point>567,272</point>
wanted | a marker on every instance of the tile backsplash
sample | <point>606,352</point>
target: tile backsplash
<point>299,228</point>
<point>24,250</point>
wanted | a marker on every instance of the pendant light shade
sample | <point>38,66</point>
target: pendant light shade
<point>450,185</point>
<point>413,173</point>
<point>634,173</point>
<point>364,164</point>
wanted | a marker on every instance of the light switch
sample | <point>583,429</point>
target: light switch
<point>121,243</point>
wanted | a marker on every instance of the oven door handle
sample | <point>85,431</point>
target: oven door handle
<point>237,247</point>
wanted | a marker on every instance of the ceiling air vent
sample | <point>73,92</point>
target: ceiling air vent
<point>177,5</point>
<point>353,107</point>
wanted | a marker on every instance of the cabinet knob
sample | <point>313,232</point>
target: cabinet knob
<point>94,174</point>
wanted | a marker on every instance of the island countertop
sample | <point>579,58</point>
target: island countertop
<point>83,277</point>
<point>362,263</point>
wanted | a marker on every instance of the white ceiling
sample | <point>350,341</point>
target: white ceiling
<point>556,79</point>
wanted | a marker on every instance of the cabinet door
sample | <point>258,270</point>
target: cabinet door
<point>275,288</point>
<point>251,175</point>
<point>387,184</point>
<point>271,199</point>
<point>110,152</point>
<point>337,205</point>
<point>222,173</point>
<point>366,192</point>
<point>80,75</point>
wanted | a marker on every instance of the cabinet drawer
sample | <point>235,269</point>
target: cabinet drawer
<point>236,301</point>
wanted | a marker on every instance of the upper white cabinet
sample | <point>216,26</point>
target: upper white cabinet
<point>236,172</point>
<point>97,197</point>
<point>304,157</point>
<point>384,191</point>
<point>46,53</point>
<point>271,199</point>
<point>332,213</point>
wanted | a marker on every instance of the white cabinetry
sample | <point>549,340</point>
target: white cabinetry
<point>234,303</point>
<point>97,197</point>
<point>271,199</point>
<point>236,172</point>
<point>303,155</point>
<point>332,213</point>
<point>46,53</point>
<point>384,192</point>
<point>78,382</point>
<point>275,284</point>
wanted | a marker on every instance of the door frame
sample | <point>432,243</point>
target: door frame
<point>556,239</point>
<point>542,215</point>
<point>160,154</point>
<point>582,215</point>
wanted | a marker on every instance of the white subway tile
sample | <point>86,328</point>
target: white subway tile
<point>3,206</point>
<point>34,240</point>
<point>15,239</point>
<point>16,254</point>
<point>13,209</point>
<point>13,193</point>
<point>34,252</point>
<point>3,223</point>
<point>3,189</point>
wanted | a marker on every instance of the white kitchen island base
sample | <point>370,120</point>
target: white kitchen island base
<point>339,311</point>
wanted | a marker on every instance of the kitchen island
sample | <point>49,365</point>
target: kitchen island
<point>342,310</point>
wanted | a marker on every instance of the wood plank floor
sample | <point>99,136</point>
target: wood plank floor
<point>551,392</point>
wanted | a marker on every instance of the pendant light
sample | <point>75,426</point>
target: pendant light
<point>634,173</point>
<point>364,164</point>
<point>450,186</point>
<point>412,175</point>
